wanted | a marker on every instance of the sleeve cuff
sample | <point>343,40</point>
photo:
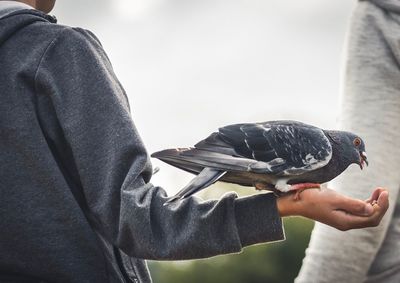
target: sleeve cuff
<point>258,220</point>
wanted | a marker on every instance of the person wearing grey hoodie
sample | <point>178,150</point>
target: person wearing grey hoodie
<point>370,104</point>
<point>76,200</point>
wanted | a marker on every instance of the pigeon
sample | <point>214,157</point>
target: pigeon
<point>280,156</point>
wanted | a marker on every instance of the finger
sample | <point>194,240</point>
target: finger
<point>355,206</point>
<point>348,221</point>
<point>375,194</point>
<point>345,221</point>
<point>383,200</point>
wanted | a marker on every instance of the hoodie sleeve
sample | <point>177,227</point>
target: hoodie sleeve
<point>113,169</point>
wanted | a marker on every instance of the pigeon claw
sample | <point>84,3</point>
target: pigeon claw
<point>299,188</point>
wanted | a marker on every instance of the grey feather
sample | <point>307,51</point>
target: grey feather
<point>207,177</point>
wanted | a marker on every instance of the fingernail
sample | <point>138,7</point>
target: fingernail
<point>368,209</point>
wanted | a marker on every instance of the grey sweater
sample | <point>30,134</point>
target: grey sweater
<point>76,200</point>
<point>371,107</point>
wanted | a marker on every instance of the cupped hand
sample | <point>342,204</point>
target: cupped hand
<point>336,210</point>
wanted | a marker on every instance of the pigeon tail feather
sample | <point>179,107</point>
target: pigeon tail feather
<point>207,177</point>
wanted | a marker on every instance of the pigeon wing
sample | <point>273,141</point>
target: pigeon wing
<point>290,147</point>
<point>193,160</point>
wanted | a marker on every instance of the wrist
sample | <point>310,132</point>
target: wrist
<point>287,206</point>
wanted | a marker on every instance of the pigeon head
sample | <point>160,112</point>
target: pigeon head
<point>352,147</point>
<point>359,154</point>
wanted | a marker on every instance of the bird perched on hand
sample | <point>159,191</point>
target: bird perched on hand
<point>280,156</point>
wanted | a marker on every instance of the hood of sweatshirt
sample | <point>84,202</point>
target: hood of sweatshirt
<point>15,18</point>
<point>7,7</point>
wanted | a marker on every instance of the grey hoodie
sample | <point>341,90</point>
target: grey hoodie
<point>388,5</point>
<point>76,200</point>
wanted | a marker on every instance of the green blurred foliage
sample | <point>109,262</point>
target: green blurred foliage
<point>277,262</point>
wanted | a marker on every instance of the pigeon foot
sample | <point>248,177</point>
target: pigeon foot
<point>299,188</point>
<point>262,186</point>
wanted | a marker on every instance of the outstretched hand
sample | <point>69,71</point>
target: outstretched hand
<point>336,210</point>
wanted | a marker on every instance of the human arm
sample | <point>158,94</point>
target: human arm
<point>83,106</point>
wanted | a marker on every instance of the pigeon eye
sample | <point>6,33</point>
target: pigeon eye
<point>357,142</point>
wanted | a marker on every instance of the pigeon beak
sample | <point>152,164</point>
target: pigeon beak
<point>363,159</point>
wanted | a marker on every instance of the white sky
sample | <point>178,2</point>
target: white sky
<point>190,67</point>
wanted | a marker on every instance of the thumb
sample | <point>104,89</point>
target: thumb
<point>356,207</point>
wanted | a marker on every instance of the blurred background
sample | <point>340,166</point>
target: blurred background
<point>190,66</point>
